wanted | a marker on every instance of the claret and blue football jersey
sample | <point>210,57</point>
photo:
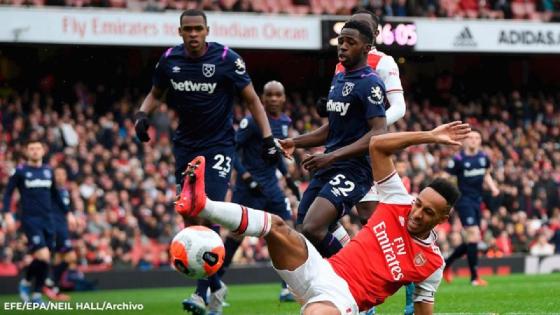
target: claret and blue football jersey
<point>470,171</point>
<point>354,98</point>
<point>201,90</point>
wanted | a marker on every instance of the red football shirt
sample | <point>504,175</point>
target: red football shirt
<point>383,256</point>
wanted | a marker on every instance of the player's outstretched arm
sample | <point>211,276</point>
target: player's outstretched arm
<point>12,185</point>
<point>311,139</point>
<point>421,308</point>
<point>6,217</point>
<point>152,100</point>
<point>491,183</point>
<point>357,148</point>
<point>382,147</point>
<point>141,122</point>
<point>257,109</point>
<point>398,106</point>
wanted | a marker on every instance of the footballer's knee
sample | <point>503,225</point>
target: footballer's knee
<point>473,234</point>
<point>365,210</point>
<point>43,254</point>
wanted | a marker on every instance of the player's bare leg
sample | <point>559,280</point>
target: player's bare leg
<point>365,210</point>
<point>321,214</point>
<point>287,248</point>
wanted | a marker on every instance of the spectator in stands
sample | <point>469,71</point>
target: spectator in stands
<point>122,204</point>
<point>543,10</point>
<point>542,247</point>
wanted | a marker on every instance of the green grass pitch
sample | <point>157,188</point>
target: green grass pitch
<point>520,294</point>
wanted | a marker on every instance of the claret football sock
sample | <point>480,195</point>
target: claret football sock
<point>241,220</point>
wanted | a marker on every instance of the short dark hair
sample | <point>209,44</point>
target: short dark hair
<point>31,141</point>
<point>193,12</point>
<point>364,29</point>
<point>446,189</point>
<point>374,17</point>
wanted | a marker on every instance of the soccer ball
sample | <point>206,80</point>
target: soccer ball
<point>197,252</point>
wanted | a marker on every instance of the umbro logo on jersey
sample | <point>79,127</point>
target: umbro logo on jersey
<point>176,69</point>
<point>465,38</point>
<point>190,86</point>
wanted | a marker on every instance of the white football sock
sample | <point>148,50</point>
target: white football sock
<point>341,235</point>
<point>241,220</point>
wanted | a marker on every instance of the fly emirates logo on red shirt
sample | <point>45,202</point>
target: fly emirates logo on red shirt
<point>390,250</point>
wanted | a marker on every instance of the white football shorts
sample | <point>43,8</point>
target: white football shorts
<point>316,281</point>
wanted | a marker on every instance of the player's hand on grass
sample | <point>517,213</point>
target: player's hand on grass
<point>452,133</point>
<point>141,125</point>
<point>270,151</point>
<point>288,147</point>
<point>253,185</point>
<point>316,161</point>
<point>293,187</point>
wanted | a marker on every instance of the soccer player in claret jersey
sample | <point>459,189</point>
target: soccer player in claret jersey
<point>201,79</point>
<point>388,70</point>
<point>396,246</point>
<point>256,184</point>
<point>472,168</point>
<point>64,254</point>
<point>356,111</point>
<point>38,196</point>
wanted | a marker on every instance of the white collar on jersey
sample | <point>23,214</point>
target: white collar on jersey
<point>431,239</point>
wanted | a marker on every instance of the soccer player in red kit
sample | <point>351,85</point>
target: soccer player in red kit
<point>396,246</point>
<point>388,70</point>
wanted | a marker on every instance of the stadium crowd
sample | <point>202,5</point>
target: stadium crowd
<point>122,190</point>
<point>544,10</point>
